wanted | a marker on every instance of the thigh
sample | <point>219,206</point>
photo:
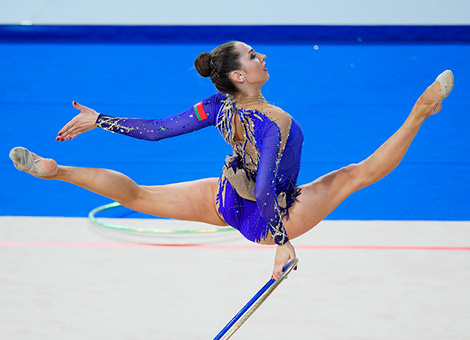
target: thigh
<point>319,198</point>
<point>190,201</point>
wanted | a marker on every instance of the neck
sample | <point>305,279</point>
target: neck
<point>247,99</point>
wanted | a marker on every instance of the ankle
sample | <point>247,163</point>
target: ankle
<point>425,107</point>
<point>60,174</point>
<point>415,119</point>
<point>45,168</point>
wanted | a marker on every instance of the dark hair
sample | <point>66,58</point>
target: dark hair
<point>218,64</point>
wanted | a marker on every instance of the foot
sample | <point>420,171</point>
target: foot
<point>446,81</point>
<point>430,101</point>
<point>26,161</point>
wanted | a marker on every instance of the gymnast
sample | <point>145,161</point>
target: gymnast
<point>257,192</point>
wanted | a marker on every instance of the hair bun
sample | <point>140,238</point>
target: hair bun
<point>203,64</point>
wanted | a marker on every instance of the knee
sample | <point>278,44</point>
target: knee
<point>352,177</point>
<point>133,198</point>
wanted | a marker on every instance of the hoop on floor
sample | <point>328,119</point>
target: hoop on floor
<point>150,231</point>
<point>252,305</point>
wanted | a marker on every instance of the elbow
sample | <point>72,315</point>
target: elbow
<point>261,194</point>
<point>150,137</point>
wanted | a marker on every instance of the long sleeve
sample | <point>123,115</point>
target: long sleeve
<point>199,116</point>
<point>265,187</point>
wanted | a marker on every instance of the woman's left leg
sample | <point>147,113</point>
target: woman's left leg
<point>193,201</point>
<point>321,197</point>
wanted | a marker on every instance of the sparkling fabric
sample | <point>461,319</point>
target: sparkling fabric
<point>268,156</point>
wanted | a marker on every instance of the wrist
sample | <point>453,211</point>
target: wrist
<point>281,239</point>
<point>97,118</point>
<point>285,245</point>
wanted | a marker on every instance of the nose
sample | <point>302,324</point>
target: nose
<point>262,56</point>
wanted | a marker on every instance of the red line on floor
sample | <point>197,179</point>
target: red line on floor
<point>138,245</point>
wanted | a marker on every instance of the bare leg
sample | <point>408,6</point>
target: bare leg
<point>321,197</point>
<point>194,201</point>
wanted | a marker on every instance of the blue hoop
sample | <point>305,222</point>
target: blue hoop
<point>255,302</point>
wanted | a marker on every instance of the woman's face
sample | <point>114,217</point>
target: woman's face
<point>253,64</point>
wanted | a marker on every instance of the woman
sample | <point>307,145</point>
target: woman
<point>257,192</point>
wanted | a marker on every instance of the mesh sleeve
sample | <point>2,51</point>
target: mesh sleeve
<point>265,188</point>
<point>199,116</point>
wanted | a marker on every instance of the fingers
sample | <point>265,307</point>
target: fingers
<point>279,264</point>
<point>68,135</point>
<point>71,130</point>
<point>78,106</point>
<point>277,272</point>
<point>284,254</point>
<point>67,131</point>
<point>84,121</point>
<point>66,128</point>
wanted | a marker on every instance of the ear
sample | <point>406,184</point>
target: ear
<point>237,77</point>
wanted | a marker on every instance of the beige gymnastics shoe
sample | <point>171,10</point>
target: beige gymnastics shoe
<point>446,80</point>
<point>26,161</point>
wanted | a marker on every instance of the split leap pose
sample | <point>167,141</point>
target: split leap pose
<point>257,192</point>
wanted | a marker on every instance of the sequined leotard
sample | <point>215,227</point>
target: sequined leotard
<point>258,184</point>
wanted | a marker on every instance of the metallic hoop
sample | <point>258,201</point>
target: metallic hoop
<point>252,305</point>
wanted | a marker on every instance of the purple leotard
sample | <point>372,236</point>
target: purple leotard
<point>268,157</point>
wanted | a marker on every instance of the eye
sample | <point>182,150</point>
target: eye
<point>253,55</point>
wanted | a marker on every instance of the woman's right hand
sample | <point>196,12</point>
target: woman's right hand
<point>284,254</point>
<point>84,121</point>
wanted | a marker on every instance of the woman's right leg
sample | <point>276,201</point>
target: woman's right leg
<point>320,197</point>
<point>193,201</point>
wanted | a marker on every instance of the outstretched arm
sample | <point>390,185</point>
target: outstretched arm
<point>199,116</point>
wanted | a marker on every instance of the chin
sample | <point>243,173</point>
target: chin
<point>267,78</point>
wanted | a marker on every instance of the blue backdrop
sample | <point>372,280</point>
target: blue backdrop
<point>348,98</point>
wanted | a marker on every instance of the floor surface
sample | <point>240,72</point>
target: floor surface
<point>64,278</point>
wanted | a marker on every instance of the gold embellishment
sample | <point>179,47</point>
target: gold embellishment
<point>113,124</point>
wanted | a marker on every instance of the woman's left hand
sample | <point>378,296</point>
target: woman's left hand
<point>284,253</point>
<point>84,121</point>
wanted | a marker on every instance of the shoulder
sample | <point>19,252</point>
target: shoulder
<point>277,116</point>
<point>211,105</point>
<point>279,125</point>
<point>214,99</point>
